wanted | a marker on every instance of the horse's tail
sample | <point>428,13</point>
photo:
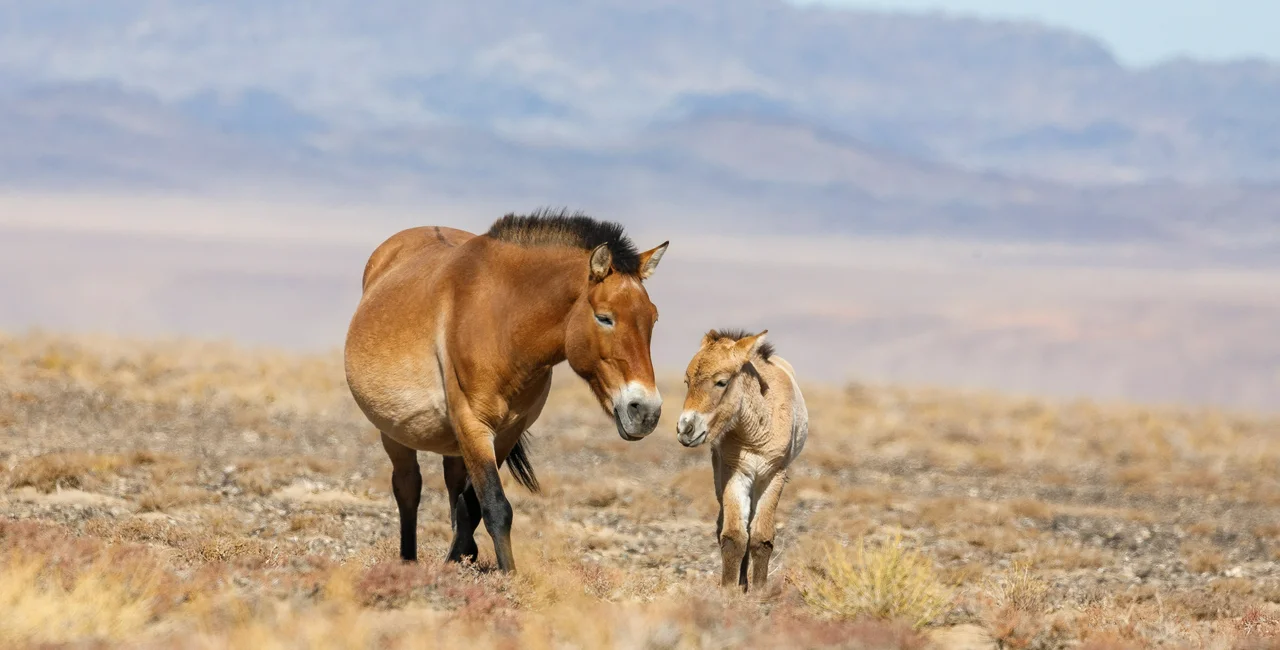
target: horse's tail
<point>521,468</point>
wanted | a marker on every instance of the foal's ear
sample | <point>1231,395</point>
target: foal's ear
<point>649,260</point>
<point>601,262</point>
<point>709,338</point>
<point>749,344</point>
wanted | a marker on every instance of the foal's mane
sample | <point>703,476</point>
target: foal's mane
<point>547,227</point>
<point>765,349</point>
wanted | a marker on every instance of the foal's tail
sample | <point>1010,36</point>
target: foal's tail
<point>521,468</point>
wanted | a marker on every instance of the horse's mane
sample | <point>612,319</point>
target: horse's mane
<point>765,349</point>
<point>546,227</point>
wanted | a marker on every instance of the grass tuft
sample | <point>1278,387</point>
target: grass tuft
<point>64,470</point>
<point>888,582</point>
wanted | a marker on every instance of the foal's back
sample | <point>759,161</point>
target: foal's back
<point>790,415</point>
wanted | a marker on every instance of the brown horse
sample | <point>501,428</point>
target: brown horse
<point>451,349</point>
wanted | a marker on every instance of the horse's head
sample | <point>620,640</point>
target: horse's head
<point>718,377</point>
<point>607,342</point>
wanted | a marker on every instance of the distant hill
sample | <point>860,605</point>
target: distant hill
<point>749,110</point>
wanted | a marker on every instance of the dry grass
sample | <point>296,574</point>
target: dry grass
<point>102,602</point>
<point>179,494</point>
<point>61,470</point>
<point>888,582</point>
<point>1020,589</point>
<point>173,497</point>
<point>1068,557</point>
<point>1201,558</point>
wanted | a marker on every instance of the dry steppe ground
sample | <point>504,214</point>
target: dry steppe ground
<point>196,494</point>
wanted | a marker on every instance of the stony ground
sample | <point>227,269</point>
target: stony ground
<point>197,494</point>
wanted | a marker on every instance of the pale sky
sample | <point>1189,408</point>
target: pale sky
<point>1139,32</point>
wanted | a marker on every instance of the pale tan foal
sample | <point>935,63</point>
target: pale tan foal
<point>744,400</point>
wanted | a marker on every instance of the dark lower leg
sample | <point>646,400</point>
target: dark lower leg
<point>464,510</point>
<point>497,514</point>
<point>406,485</point>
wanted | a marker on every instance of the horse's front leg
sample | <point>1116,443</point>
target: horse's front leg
<point>733,540</point>
<point>476,441</point>
<point>718,475</point>
<point>760,546</point>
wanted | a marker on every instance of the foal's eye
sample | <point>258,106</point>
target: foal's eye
<point>722,383</point>
<point>604,320</point>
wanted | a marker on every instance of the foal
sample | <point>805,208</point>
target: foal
<point>744,400</point>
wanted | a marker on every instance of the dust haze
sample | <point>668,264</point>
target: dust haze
<point>1109,322</point>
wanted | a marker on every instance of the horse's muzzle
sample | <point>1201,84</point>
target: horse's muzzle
<point>692,429</point>
<point>636,411</point>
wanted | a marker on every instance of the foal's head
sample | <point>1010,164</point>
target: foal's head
<point>719,378</point>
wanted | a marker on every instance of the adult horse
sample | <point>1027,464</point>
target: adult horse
<point>451,349</point>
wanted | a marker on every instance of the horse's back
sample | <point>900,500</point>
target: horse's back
<point>409,247</point>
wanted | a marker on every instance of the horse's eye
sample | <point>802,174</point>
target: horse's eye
<point>604,320</point>
<point>722,383</point>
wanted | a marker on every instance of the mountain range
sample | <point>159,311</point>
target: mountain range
<point>753,114</point>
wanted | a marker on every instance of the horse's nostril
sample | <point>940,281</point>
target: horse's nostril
<point>633,408</point>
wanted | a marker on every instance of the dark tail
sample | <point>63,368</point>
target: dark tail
<point>521,469</point>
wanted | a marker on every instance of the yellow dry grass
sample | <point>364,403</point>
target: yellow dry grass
<point>49,472</point>
<point>887,582</point>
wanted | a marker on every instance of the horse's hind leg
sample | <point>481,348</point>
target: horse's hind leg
<point>464,510</point>
<point>406,485</point>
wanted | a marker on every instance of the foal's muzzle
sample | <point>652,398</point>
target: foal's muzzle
<point>636,410</point>
<point>692,429</point>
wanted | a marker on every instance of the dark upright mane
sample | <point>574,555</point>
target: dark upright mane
<point>765,349</point>
<point>545,227</point>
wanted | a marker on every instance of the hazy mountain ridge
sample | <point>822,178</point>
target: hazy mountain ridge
<point>839,120</point>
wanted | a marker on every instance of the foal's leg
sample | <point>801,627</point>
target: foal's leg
<point>762,527</point>
<point>736,513</point>
<point>406,485</point>
<point>719,475</point>
<point>464,510</point>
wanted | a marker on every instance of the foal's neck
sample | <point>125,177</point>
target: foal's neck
<point>755,412</point>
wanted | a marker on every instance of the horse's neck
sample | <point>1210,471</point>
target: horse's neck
<point>545,292</point>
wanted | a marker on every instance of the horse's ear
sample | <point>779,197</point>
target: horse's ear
<point>649,260</point>
<point>749,344</point>
<point>601,262</point>
<point>709,338</point>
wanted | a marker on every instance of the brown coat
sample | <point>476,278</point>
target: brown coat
<point>452,345</point>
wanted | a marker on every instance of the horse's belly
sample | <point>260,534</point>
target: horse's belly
<point>426,426</point>
<point>415,415</point>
